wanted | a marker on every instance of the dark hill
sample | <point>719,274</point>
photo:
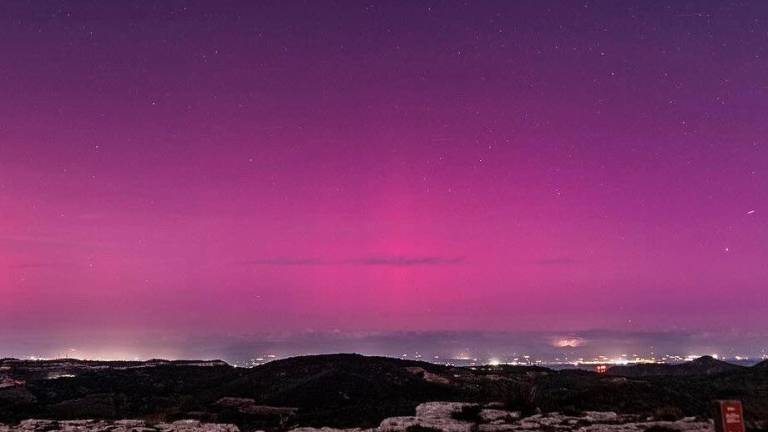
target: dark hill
<point>354,390</point>
<point>706,365</point>
<point>363,389</point>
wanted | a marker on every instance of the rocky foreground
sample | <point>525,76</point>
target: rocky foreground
<point>35,425</point>
<point>429,417</point>
<point>348,390</point>
<point>465,417</point>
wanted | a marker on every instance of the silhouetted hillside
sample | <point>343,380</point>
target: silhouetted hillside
<point>354,390</point>
<point>706,365</point>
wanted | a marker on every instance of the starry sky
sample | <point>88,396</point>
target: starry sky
<point>224,167</point>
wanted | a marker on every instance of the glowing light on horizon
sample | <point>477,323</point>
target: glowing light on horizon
<point>569,342</point>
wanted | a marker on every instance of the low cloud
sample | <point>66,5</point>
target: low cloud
<point>555,261</point>
<point>287,262</point>
<point>32,265</point>
<point>378,260</point>
<point>408,260</point>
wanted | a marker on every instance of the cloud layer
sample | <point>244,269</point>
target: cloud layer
<point>377,260</point>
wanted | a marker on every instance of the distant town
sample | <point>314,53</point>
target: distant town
<point>598,363</point>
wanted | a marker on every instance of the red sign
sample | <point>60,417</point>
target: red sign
<point>729,416</point>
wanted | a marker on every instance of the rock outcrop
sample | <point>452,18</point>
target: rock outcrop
<point>429,417</point>
<point>467,417</point>
<point>34,425</point>
<point>250,407</point>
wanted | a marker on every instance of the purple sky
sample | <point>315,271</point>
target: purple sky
<point>235,166</point>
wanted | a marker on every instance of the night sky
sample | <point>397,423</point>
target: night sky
<point>179,168</point>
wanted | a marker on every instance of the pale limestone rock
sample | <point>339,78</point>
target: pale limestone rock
<point>325,429</point>
<point>36,424</point>
<point>600,417</point>
<point>196,426</point>
<point>440,409</point>
<point>492,415</point>
<point>130,423</point>
<point>397,424</point>
<point>219,427</point>
<point>81,425</point>
<point>401,424</point>
<point>434,415</point>
<point>682,426</point>
<point>498,428</point>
